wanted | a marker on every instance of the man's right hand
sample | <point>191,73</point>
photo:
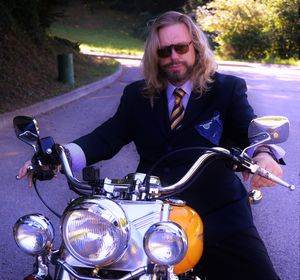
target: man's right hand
<point>25,171</point>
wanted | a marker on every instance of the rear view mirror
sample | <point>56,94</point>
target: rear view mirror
<point>269,130</point>
<point>26,129</point>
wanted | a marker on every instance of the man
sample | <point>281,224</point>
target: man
<point>183,102</point>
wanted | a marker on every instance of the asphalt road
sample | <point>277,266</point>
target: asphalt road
<point>271,90</point>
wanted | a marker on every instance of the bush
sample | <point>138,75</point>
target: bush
<point>252,29</point>
<point>284,29</point>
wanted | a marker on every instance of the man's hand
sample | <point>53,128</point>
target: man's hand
<point>24,171</point>
<point>265,161</point>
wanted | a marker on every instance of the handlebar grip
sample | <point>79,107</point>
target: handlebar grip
<point>39,174</point>
<point>43,175</point>
<point>268,175</point>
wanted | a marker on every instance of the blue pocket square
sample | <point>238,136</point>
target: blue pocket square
<point>211,129</point>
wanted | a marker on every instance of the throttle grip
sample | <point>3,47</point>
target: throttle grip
<point>268,175</point>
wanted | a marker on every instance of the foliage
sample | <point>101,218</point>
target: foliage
<point>150,6</point>
<point>30,16</point>
<point>252,29</point>
<point>284,29</point>
<point>147,10</point>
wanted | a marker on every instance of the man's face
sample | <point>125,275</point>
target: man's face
<point>176,67</point>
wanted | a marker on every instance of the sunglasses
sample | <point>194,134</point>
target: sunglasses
<point>179,48</point>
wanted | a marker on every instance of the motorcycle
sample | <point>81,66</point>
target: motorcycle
<point>126,228</point>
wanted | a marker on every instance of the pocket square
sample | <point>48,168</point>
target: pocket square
<point>211,129</point>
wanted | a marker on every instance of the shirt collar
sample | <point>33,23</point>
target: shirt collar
<point>187,87</point>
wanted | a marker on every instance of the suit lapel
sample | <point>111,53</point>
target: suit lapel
<point>195,108</point>
<point>161,114</point>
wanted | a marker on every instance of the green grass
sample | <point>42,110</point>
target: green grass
<point>100,40</point>
<point>99,30</point>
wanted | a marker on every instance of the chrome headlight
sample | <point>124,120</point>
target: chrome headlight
<point>95,230</point>
<point>33,234</point>
<point>165,243</point>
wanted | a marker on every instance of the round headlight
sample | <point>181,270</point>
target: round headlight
<point>33,234</point>
<point>165,243</point>
<point>95,230</point>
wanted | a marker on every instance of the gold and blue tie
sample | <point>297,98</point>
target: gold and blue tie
<point>178,110</point>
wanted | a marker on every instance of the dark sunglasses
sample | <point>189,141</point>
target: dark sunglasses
<point>179,48</point>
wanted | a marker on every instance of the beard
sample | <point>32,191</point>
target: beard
<point>176,77</point>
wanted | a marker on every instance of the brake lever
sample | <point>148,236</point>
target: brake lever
<point>256,169</point>
<point>247,163</point>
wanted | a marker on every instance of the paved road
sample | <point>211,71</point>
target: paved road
<point>276,91</point>
<point>271,90</point>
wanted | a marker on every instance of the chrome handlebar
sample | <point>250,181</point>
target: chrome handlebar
<point>155,190</point>
<point>195,167</point>
<point>68,172</point>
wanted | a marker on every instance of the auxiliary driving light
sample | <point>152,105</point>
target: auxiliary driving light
<point>33,234</point>
<point>165,243</point>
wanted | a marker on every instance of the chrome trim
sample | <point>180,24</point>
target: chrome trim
<point>141,214</point>
<point>138,272</point>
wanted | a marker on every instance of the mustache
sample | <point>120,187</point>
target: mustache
<point>174,62</point>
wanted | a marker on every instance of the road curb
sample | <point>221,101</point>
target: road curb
<point>58,101</point>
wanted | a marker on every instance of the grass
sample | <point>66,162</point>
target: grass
<point>98,29</point>
<point>99,40</point>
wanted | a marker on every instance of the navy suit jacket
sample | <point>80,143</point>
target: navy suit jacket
<point>219,118</point>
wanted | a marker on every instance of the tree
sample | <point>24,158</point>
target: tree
<point>153,6</point>
<point>253,29</point>
<point>31,16</point>
<point>284,28</point>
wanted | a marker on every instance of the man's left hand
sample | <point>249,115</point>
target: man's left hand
<point>265,161</point>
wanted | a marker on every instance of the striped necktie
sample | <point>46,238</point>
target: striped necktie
<point>178,110</point>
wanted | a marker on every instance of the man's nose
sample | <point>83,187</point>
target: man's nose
<point>174,54</point>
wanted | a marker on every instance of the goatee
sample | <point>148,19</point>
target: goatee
<point>176,77</point>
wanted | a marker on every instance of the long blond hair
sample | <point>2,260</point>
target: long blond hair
<point>205,64</point>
